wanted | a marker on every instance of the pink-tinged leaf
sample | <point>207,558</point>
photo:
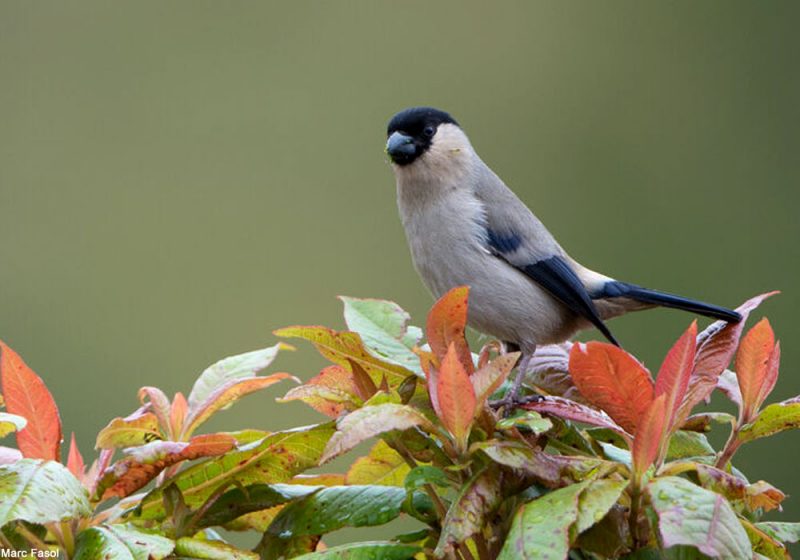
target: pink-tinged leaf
<point>612,380</point>
<point>447,321</point>
<point>138,428</point>
<point>97,469</point>
<point>673,376</point>
<point>456,397</point>
<point>331,392</point>
<point>432,375</point>
<point>548,372</point>
<point>227,394</point>
<point>648,441</point>
<point>9,455</point>
<point>232,368</point>
<point>716,346</point>
<point>693,516</point>
<point>341,347</point>
<point>157,403</point>
<point>729,386</point>
<point>144,463</point>
<point>488,378</point>
<point>577,412</point>
<point>751,367</point>
<point>177,413</point>
<point>26,395</point>
<point>470,510</point>
<point>75,462</point>
<point>371,421</point>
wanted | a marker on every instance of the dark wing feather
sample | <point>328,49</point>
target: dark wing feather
<point>554,275</point>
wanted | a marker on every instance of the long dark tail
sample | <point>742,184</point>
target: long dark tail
<point>644,295</point>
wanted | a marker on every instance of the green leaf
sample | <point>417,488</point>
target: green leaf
<point>120,542</point>
<point>784,532</point>
<point>371,421</point>
<point>230,369</point>
<point>693,516</point>
<point>763,543</point>
<point>383,327</point>
<point>550,470</point>
<point>341,347</point>
<point>274,459</point>
<point>685,444</point>
<point>527,419</point>
<point>10,423</point>
<point>541,528</point>
<point>773,419</point>
<point>382,466</point>
<point>137,429</point>
<point>425,474</point>
<point>467,515</point>
<point>369,550</point>
<point>596,502</point>
<point>211,550</point>
<point>240,501</point>
<point>40,492</point>
<point>335,507</point>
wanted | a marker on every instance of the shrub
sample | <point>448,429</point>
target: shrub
<point>607,463</point>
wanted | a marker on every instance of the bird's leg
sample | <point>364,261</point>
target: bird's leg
<point>511,398</point>
<point>522,369</point>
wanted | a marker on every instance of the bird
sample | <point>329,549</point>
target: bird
<point>464,226</point>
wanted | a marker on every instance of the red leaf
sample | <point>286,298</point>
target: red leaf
<point>715,348</point>
<point>673,376</point>
<point>26,395</point>
<point>75,459</point>
<point>612,380</point>
<point>456,397</point>
<point>648,440</point>
<point>751,367</point>
<point>446,324</point>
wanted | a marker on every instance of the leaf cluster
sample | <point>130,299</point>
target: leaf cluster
<point>601,460</point>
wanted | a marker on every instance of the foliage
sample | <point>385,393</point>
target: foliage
<point>599,460</point>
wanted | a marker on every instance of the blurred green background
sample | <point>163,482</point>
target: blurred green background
<point>178,179</point>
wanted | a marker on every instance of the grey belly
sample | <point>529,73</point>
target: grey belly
<point>503,302</point>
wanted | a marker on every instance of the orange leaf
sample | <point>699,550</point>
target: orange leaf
<point>177,413</point>
<point>75,459</point>
<point>446,324</point>
<point>612,380</point>
<point>673,376</point>
<point>751,366</point>
<point>456,397</point>
<point>647,442</point>
<point>331,392</point>
<point>26,395</point>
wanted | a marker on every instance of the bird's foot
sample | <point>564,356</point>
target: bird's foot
<point>510,402</point>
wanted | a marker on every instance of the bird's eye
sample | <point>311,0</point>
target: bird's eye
<point>429,131</point>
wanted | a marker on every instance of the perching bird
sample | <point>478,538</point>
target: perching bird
<point>466,227</point>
